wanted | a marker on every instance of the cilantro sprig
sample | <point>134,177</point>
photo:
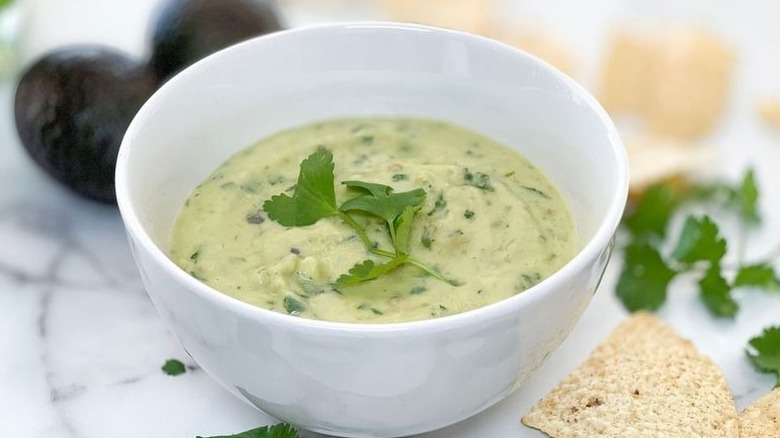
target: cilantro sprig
<point>281,430</point>
<point>699,248</point>
<point>764,352</point>
<point>314,198</point>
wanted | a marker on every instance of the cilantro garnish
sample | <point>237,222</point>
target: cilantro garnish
<point>173,367</point>
<point>761,275</point>
<point>699,248</point>
<point>716,293</point>
<point>643,282</point>
<point>764,352</point>
<point>281,430</point>
<point>699,241</point>
<point>653,212</point>
<point>314,198</point>
<point>746,196</point>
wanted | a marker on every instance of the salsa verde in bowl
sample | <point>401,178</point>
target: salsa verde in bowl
<point>487,220</point>
<point>381,378</point>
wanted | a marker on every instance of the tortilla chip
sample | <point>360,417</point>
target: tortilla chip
<point>762,418</point>
<point>691,82</point>
<point>466,15</point>
<point>643,381</point>
<point>770,112</point>
<point>654,159</point>
<point>626,78</point>
<point>677,81</point>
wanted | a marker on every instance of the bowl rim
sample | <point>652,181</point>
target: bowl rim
<point>590,251</point>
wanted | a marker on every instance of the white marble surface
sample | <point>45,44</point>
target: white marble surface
<point>81,345</point>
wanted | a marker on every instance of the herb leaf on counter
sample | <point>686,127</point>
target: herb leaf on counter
<point>716,293</point>
<point>699,249</point>
<point>281,430</point>
<point>173,367</point>
<point>700,241</point>
<point>645,278</point>
<point>759,275</point>
<point>764,352</point>
<point>747,198</point>
<point>653,212</point>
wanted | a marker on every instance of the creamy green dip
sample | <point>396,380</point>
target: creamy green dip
<point>491,221</point>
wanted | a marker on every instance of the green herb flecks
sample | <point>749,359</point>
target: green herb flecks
<point>314,198</point>
<point>426,240</point>
<point>255,218</point>
<point>174,367</point>
<point>439,205</point>
<point>478,179</point>
<point>293,306</point>
<point>417,290</point>
<point>282,430</point>
<point>536,191</point>
<point>468,214</point>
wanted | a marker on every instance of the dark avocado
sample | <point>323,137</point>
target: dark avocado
<point>189,30</point>
<point>72,108</point>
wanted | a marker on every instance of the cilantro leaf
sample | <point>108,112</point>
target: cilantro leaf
<point>760,275</point>
<point>368,270</point>
<point>381,201</point>
<point>281,430</point>
<point>700,240</point>
<point>173,367</point>
<point>716,293</point>
<point>644,279</point>
<point>314,197</point>
<point>764,352</point>
<point>747,198</point>
<point>403,228</point>
<point>479,180</point>
<point>653,212</point>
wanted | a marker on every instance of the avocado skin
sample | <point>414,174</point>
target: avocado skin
<point>189,30</point>
<point>72,108</point>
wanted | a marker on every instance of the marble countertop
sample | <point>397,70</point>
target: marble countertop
<point>81,345</point>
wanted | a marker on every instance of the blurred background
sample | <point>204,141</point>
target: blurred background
<point>692,80</point>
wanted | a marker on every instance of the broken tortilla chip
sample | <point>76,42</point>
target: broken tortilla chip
<point>762,418</point>
<point>677,81</point>
<point>643,381</point>
<point>626,77</point>
<point>692,80</point>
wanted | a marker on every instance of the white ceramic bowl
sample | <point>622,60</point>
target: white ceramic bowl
<point>356,379</point>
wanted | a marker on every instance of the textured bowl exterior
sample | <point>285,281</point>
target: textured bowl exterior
<point>358,379</point>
